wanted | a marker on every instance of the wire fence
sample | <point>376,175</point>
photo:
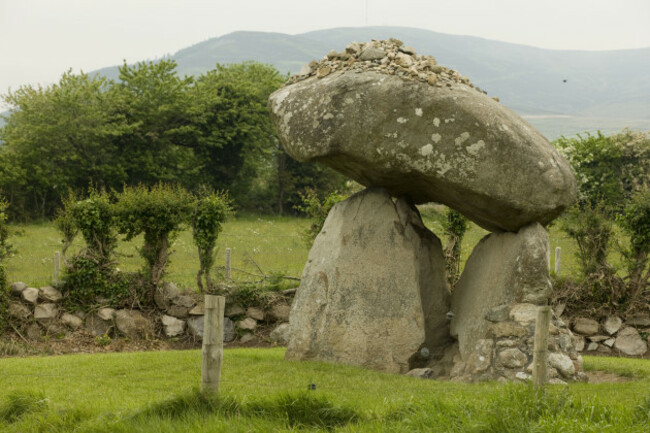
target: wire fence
<point>258,246</point>
<point>253,254</point>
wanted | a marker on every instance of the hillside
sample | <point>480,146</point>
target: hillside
<point>559,92</point>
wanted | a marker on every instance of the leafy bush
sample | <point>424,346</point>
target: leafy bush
<point>613,175</point>
<point>635,221</point>
<point>210,212</point>
<point>608,168</point>
<point>92,272</point>
<point>318,210</point>
<point>592,231</point>
<point>65,222</point>
<point>455,226</point>
<point>5,250</point>
<point>158,212</point>
<point>94,219</point>
<point>87,279</point>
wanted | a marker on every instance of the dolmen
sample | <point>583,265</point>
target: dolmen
<point>374,292</point>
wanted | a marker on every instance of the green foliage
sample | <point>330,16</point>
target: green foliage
<point>57,138</point>
<point>65,222</point>
<point>86,279</point>
<point>158,212</point>
<point>103,340</point>
<point>4,300</point>
<point>94,217</point>
<point>234,139</point>
<point>5,251</point>
<point>635,221</point>
<point>608,168</point>
<point>613,172</point>
<point>317,209</point>
<point>92,273</point>
<point>592,231</point>
<point>152,126</point>
<point>262,294</point>
<point>210,212</point>
<point>455,226</point>
<point>156,105</point>
<point>296,179</point>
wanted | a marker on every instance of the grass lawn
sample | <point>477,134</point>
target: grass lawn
<point>276,244</point>
<point>260,392</point>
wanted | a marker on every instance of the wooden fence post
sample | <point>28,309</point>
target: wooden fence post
<point>540,354</point>
<point>558,261</point>
<point>212,343</point>
<point>57,265</point>
<point>227,263</point>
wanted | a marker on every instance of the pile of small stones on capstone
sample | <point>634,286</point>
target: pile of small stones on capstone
<point>38,312</point>
<point>389,57</point>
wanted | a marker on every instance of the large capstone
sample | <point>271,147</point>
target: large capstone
<point>373,292</point>
<point>503,269</point>
<point>416,129</point>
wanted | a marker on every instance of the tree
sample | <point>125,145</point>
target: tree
<point>60,137</point>
<point>234,139</point>
<point>155,103</point>
<point>295,180</point>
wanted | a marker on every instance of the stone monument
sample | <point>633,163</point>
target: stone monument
<point>373,291</point>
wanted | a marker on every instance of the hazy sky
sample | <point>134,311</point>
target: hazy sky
<point>40,39</point>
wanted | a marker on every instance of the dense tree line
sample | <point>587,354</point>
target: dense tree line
<point>147,127</point>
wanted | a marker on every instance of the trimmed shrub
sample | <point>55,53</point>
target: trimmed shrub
<point>158,212</point>
<point>210,212</point>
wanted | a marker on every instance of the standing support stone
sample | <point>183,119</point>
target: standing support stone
<point>227,263</point>
<point>212,343</point>
<point>57,265</point>
<point>540,354</point>
<point>558,260</point>
<point>373,292</point>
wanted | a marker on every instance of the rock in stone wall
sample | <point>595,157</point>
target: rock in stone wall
<point>503,269</point>
<point>505,351</point>
<point>373,291</point>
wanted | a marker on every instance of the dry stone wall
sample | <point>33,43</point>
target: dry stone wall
<point>612,335</point>
<point>36,313</point>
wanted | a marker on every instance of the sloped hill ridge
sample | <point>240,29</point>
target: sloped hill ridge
<point>604,90</point>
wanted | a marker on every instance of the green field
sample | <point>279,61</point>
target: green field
<point>260,392</point>
<point>275,244</point>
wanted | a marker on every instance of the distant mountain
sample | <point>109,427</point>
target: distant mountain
<point>560,92</point>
